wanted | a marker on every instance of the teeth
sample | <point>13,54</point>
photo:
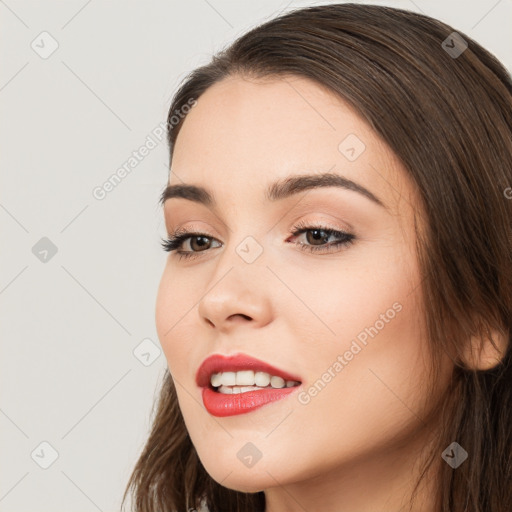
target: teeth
<point>228,390</point>
<point>261,379</point>
<point>228,378</point>
<point>216,380</point>
<point>247,380</point>
<point>277,382</point>
<point>232,390</point>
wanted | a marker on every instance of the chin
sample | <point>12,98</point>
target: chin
<point>242,479</point>
<point>227,470</point>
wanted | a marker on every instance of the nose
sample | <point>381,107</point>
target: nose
<point>235,300</point>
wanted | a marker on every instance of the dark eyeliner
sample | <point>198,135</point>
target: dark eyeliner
<point>174,242</point>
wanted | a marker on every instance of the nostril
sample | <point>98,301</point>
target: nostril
<point>245,317</point>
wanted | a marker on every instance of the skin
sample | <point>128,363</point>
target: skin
<point>356,445</point>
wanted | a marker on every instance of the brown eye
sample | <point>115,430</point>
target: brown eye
<point>318,236</point>
<point>199,243</point>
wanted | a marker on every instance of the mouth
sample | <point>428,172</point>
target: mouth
<point>247,380</point>
<point>240,384</point>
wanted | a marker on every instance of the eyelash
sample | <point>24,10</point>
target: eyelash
<point>181,235</point>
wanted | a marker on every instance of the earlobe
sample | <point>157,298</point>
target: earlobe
<point>487,351</point>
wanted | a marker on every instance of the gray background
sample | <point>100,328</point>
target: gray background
<point>71,321</point>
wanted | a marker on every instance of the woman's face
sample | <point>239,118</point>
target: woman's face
<point>346,321</point>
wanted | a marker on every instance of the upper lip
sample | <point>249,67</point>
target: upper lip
<point>217,363</point>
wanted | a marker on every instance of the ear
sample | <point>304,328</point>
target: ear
<point>486,352</point>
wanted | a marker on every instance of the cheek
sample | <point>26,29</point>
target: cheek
<point>372,400</point>
<point>368,383</point>
<point>175,301</point>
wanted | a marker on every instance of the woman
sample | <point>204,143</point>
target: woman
<point>336,308</point>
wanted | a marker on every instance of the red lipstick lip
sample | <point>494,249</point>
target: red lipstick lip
<point>217,363</point>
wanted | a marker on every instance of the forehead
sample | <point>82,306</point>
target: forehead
<point>278,115</point>
<point>244,134</point>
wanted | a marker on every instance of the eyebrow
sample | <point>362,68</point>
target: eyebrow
<point>281,189</point>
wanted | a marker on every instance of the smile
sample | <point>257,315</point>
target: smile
<point>240,384</point>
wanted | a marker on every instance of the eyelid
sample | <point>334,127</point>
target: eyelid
<point>295,225</point>
<point>313,218</point>
<point>190,227</point>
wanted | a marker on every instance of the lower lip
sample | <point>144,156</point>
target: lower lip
<point>220,404</point>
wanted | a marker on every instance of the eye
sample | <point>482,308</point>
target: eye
<point>179,238</point>
<point>316,239</point>
<point>318,236</point>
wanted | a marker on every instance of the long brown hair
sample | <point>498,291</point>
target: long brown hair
<point>448,117</point>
